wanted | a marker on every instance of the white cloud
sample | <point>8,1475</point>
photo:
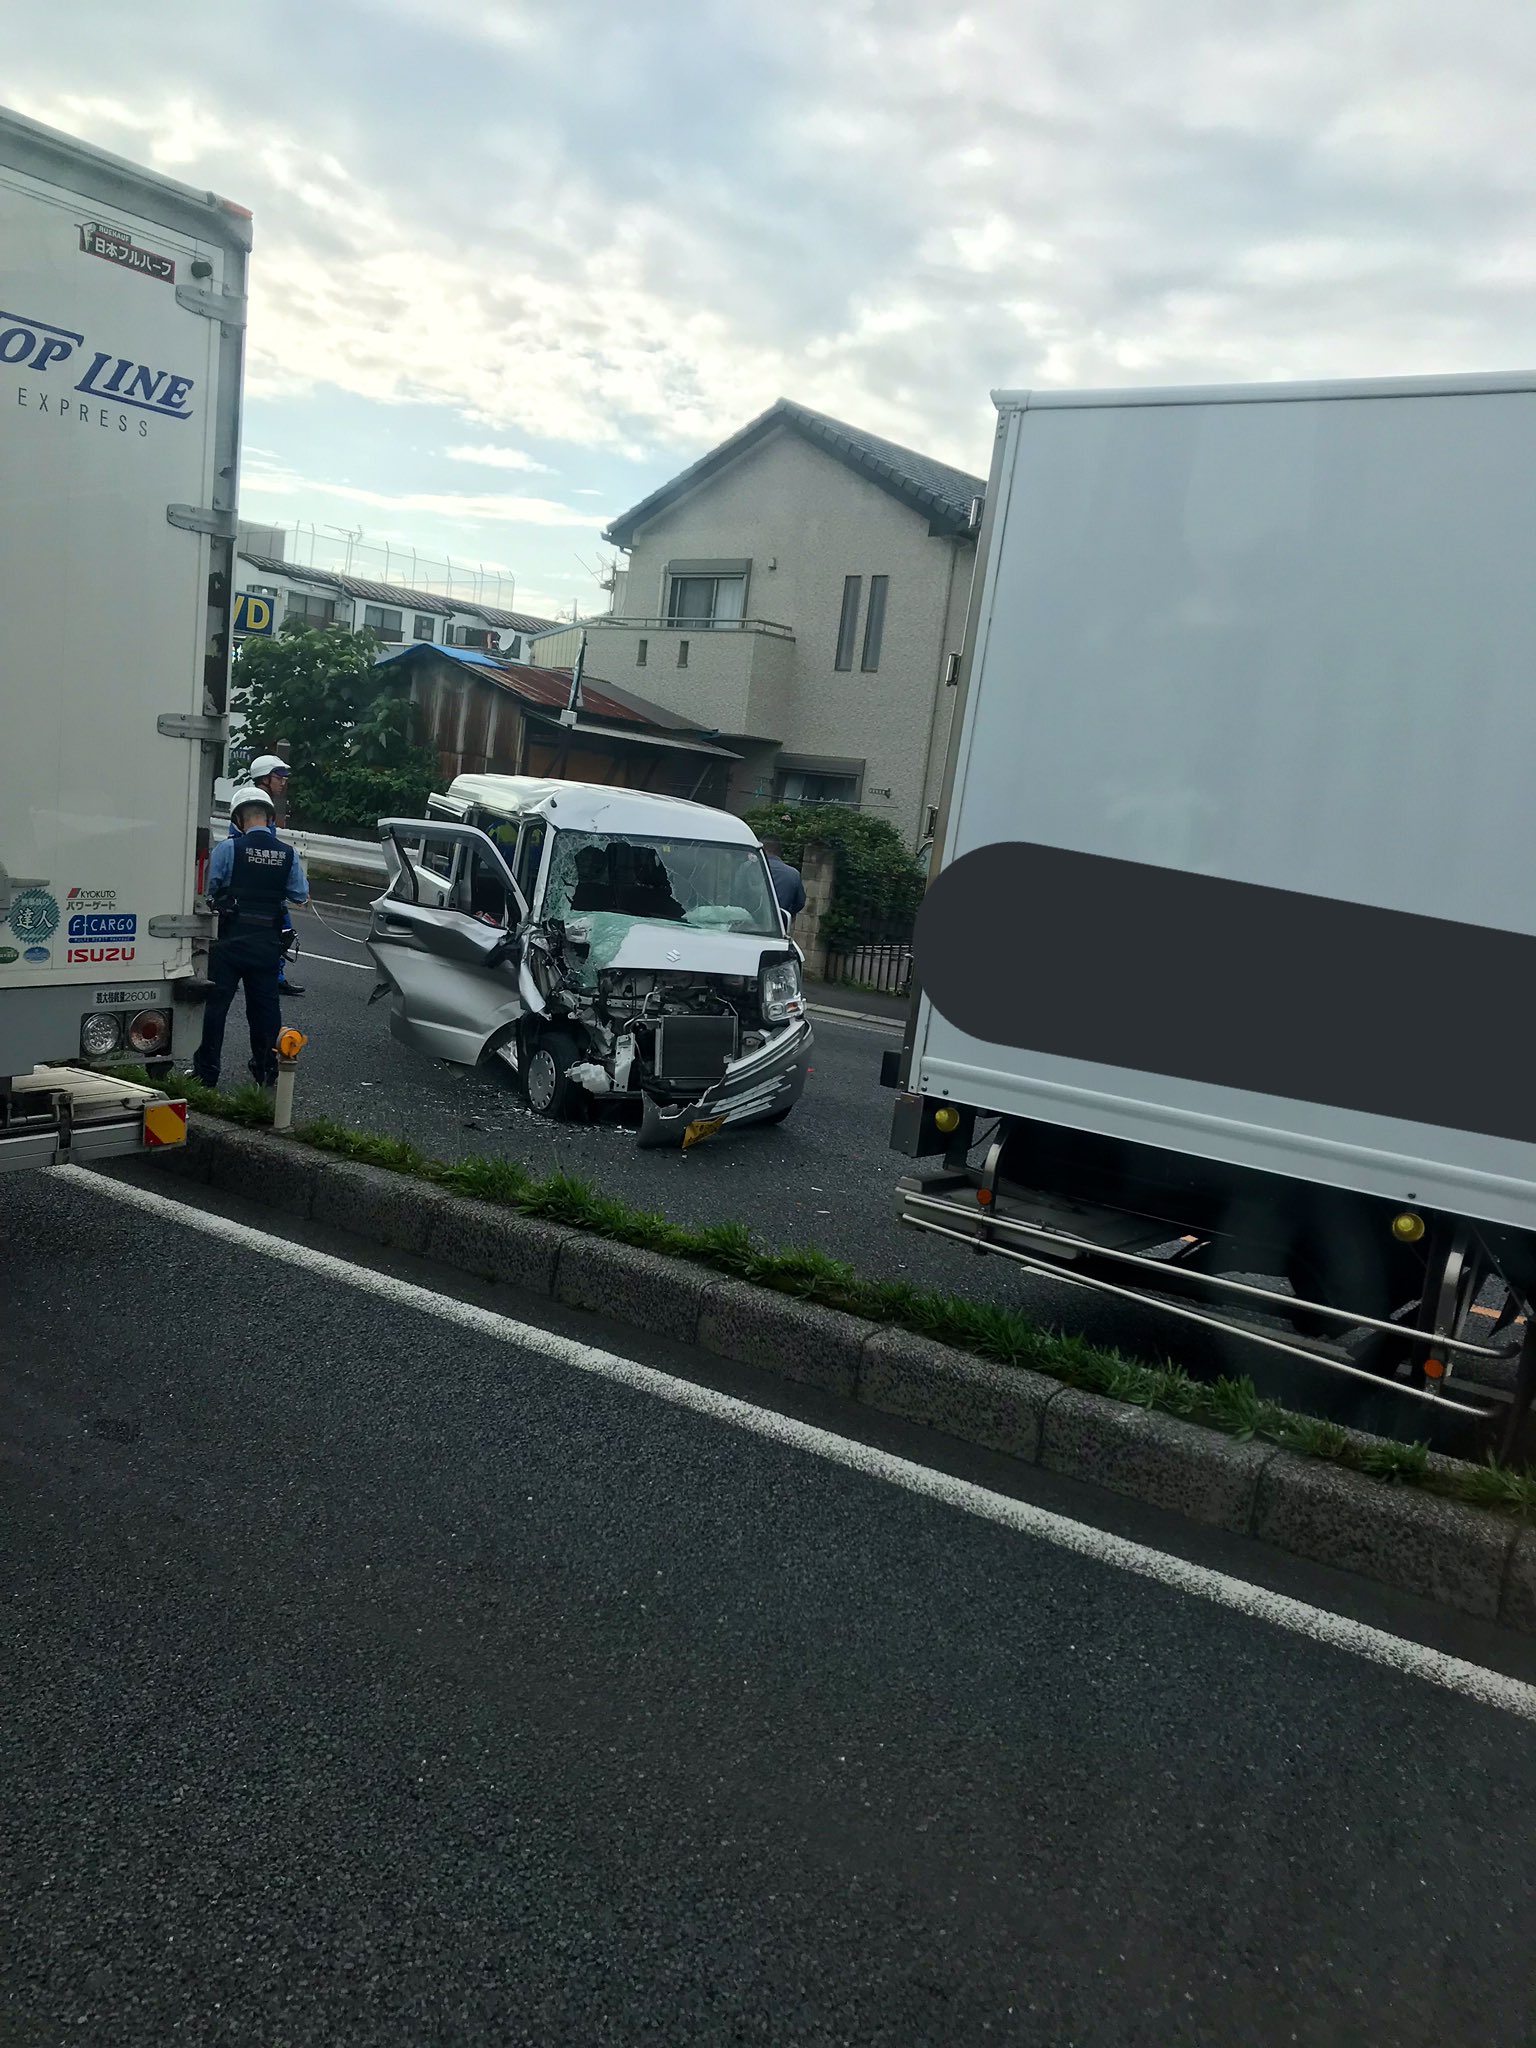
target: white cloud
<point>466,507</point>
<point>492,457</point>
<point>877,210</point>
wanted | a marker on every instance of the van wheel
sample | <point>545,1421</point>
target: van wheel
<point>546,1075</point>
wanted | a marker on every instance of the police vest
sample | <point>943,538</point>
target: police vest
<point>255,898</point>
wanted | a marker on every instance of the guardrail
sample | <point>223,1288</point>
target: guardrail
<point>362,858</point>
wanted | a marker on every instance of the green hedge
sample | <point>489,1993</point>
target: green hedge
<point>876,881</point>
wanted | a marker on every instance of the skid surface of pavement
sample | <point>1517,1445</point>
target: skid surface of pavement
<point>825,1177</point>
<point>368,1680</point>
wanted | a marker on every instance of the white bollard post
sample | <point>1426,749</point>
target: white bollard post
<point>289,1045</point>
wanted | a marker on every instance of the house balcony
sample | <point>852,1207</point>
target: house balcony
<point>727,675</point>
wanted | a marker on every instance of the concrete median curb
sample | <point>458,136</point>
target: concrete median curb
<point>1466,1558</point>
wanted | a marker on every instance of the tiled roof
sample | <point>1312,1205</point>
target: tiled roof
<point>943,494</point>
<point>353,586</point>
<point>401,594</point>
<point>954,490</point>
<point>515,622</point>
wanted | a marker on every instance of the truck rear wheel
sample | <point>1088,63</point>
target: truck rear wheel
<point>1441,1278</point>
<point>1340,1269</point>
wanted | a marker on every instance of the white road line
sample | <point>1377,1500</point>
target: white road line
<point>1376,1646</point>
<point>330,960</point>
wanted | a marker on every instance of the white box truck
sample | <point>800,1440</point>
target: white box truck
<point>122,309</point>
<point>1227,960</point>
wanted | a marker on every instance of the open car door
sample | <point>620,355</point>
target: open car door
<point>444,936</point>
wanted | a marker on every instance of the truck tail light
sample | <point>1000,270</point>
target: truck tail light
<point>150,1031</point>
<point>101,1032</point>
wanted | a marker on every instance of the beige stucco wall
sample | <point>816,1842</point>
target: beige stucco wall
<point>806,521</point>
<point>735,682</point>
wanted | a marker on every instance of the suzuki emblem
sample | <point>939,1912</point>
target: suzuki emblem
<point>673,955</point>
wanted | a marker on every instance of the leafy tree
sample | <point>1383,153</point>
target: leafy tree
<point>320,690</point>
<point>350,801</point>
<point>350,727</point>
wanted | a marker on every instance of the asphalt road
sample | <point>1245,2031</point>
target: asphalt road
<point>825,1177</point>
<point>371,1680</point>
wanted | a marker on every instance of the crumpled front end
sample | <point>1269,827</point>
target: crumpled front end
<point>761,1085</point>
<point>704,1028</point>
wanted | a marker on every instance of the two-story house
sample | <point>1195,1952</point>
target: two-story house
<point>800,592</point>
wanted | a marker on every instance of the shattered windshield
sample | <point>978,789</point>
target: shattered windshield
<point>698,882</point>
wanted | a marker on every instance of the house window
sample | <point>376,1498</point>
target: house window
<point>387,624</point>
<point>848,624</point>
<point>682,653</point>
<point>425,626</point>
<point>317,611</point>
<point>262,589</point>
<point>795,787</point>
<point>874,624</point>
<point>642,652</point>
<point>705,600</point>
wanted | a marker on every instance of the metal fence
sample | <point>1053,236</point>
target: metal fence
<point>884,966</point>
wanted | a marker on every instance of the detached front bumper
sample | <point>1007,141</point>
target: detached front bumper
<point>761,1084</point>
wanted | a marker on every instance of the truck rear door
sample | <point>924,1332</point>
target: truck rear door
<point>119,399</point>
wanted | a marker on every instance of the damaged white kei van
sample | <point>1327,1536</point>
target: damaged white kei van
<point>601,942</point>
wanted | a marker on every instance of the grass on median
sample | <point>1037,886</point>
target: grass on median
<point>1232,1405</point>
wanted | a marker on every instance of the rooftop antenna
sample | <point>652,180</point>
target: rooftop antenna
<point>568,715</point>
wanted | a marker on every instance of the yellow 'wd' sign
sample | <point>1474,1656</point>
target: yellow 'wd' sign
<point>254,614</point>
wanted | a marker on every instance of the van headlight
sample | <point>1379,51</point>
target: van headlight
<point>779,986</point>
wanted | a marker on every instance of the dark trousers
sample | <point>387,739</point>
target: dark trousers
<point>249,960</point>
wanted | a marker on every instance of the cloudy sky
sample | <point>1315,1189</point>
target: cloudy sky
<point>518,261</point>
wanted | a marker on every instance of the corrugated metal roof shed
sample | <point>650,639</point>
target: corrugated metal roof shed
<point>547,687</point>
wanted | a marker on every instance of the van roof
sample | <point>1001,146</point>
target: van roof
<point>594,807</point>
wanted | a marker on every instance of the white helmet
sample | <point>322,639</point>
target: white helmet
<point>267,764</point>
<point>249,797</point>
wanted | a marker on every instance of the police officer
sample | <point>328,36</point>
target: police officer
<point>252,878</point>
<point>270,772</point>
<point>787,885</point>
